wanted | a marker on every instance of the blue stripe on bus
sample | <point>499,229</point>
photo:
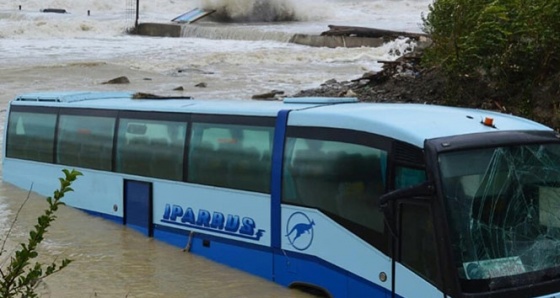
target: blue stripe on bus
<point>252,258</point>
<point>276,183</point>
<point>184,235</point>
<point>318,272</point>
<point>289,267</point>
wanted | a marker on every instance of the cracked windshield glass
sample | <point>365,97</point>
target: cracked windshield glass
<point>503,205</point>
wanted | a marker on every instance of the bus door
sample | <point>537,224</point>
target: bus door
<point>416,262</point>
<point>416,269</point>
<point>138,206</point>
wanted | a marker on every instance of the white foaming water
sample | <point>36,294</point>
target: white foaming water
<point>236,67</point>
<point>267,10</point>
<point>29,38</point>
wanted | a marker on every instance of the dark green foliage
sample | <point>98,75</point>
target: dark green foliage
<point>510,44</point>
<point>20,277</point>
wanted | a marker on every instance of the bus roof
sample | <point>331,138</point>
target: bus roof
<point>411,123</point>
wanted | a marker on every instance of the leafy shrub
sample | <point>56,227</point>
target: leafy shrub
<point>19,278</point>
<point>508,43</point>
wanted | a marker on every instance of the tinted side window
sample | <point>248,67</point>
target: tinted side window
<point>152,148</point>
<point>85,141</point>
<point>406,177</point>
<point>31,136</point>
<point>343,179</point>
<point>417,247</point>
<point>231,156</point>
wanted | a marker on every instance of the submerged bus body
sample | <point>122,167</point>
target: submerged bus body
<point>346,198</point>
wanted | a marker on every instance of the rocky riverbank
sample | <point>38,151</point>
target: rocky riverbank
<point>406,81</point>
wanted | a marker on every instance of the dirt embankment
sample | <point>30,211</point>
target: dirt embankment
<point>405,81</point>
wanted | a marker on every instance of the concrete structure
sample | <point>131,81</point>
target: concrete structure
<point>174,30</point>
<point>336,41</point>
<point>159,29</point>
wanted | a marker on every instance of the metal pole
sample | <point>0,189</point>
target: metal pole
<point>137,13</point>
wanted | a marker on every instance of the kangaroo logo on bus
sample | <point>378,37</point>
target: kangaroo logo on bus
<point>299,230</point>
<point>217,222</point>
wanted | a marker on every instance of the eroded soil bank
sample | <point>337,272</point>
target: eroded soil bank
<point>406,81</point>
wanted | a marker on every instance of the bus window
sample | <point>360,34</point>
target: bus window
<point>85,141</point>
<point>406,177</point>
<point>339,178</point>
<point>151,148</point>
<point>232,156</point>
<point>31,136</point>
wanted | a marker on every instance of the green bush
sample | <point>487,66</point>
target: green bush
<point>19,277</point>
<point>508,43</point>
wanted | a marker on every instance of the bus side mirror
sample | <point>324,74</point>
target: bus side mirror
<point>386,201</point>
<point>425,189</point>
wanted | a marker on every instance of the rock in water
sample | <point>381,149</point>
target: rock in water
<point>119,80</point>
<point>268,96</point>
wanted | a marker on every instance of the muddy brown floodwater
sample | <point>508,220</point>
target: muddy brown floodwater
<point>110,260</point>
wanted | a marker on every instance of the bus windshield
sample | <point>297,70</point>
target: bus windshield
<point>503,205</point>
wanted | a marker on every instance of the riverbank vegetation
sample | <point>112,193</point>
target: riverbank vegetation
<point>500,55</point>
<point>509,48</point>
<point>20,277</point>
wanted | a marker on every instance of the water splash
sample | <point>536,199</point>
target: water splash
<point>250,11</point>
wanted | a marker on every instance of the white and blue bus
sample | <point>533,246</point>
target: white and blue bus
<point>330,195</point>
